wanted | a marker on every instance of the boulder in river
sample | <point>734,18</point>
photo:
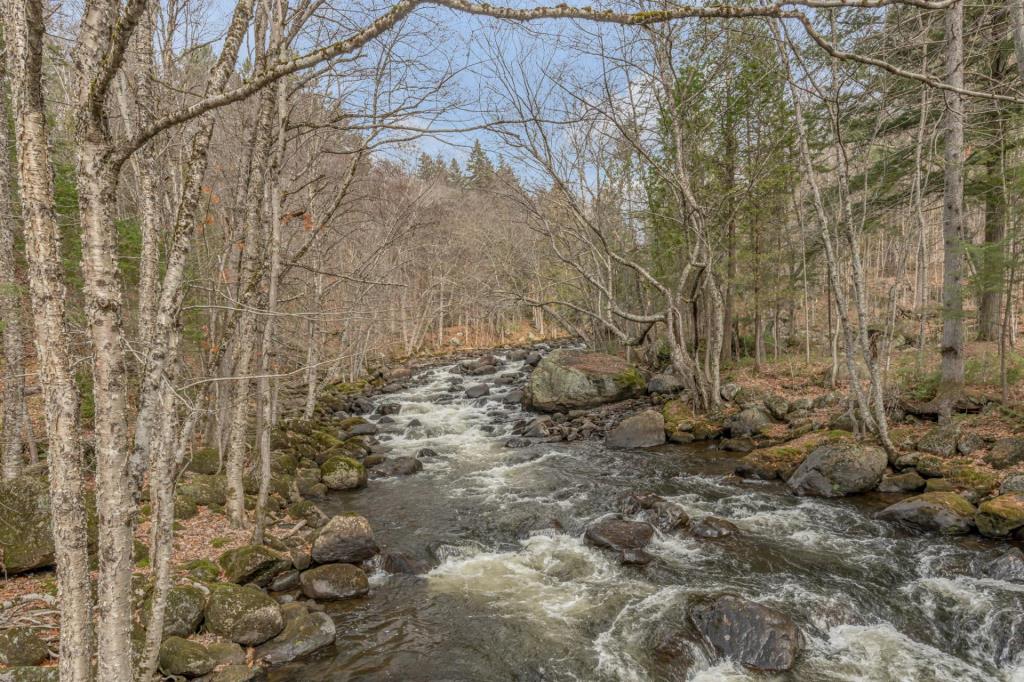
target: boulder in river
<point>397,466</point>
<point>780,461</point>
<point>659,512</point>
<point>402,563</point>
<point>907,482</point>
<point>839,469</point>
<point>619,534</point>
<point>343,473</point>
<point>244,615</point>
<point>757,636</point>
<point>346,538</point>
<point>943,512</point>
<point>642,430</point>
<point>334,581</point>
<point>478,391</point>
<point>712,527</point>
<point>1001,516</point>
<point>1008,567</point>
<point>302,635</point>
<point>573,379</point>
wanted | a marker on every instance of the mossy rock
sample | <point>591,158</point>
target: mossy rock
<point>945,512</point>
<point>179,656</point>
<point>279,483</point>
<point>184,507</point>
<point>972,477</point>
<point>203,570</point>
<point>244,615</point>
<point>21,646</point>
<point>1001,516</point>
<point>283,463</point>
<point>26,540</point>
<point>304,510</point>
<point>30,674</point>
<point>205,490</point>
<point>257,564</point>
<point>343,473</point>
<point>780,461</point>
<point>306,479</point>
<point>679,417</point>
<point>350,422</point>
<point>205,461</point>
<point>573,379</point>
<point>183,612</point>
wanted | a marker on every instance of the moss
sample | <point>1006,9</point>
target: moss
<point>972,477</point>
<point>343,473</point>
<point>203,570</point>
<point>346,424</point>
<point>1001,515</point>
<point>781,461</point>
<point>632,378</point>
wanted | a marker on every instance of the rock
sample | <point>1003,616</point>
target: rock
<point>571,379</point>
<point>256,564</point>
<point>1006,453</point>
<point>205,490</point>
<point>244,615</point>
<point>938,485</point>
<point>183,612</point>
<point>664,383</point>
<point>908,481</point>
<point>757,636</point>
<point>203,570</point>
<point>301,636</point>
<point>226,653</point>
<point>517,443</point>
<point>781,461</point>
<point>345,539</point>
<point>1008,567</point>
<point>659,512</point>
<point>1001,516</point>
<point>26,538</point>
<point>284,582</point>
<point>944,512</point>
<point>184,657</point>
<point>236,673</point>
<point>304,510</point>
<point>711,527</point>
<point>642,430</point>
<point>839,469</point>
<point>634,557</point>
<point>334,581</point>
<point>940,441</point>
<point>513,397</point>
<point>729,391</point>
<point>619,534</point>
<point>29,674</point>
<point>343,473</point>
<point>747,422</point>
<point>401,563</point>
<point>969,443</point>
<point>478,391</point>
<point>389,408</point>
<point>777,406</point>
<point>533,359</point>
<point>364,430</point>
<point>743,445</point>
<point>205,461</point>
<point>397,466</point>
<point>426,453</point>
<point>1012,484</point>
<point>21,646</point>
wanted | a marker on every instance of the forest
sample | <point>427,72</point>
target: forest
<point>443,340</point>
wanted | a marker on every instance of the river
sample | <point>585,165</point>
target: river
<point>509,597</point>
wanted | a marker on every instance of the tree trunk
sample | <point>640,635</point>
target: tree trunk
<point>952,379</point>
<point>23,32</point>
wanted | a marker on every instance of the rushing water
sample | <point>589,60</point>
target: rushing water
<point>510,598</point>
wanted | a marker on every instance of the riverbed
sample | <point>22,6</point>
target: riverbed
<point>514,593</point>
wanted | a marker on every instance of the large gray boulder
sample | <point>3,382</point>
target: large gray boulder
<point>664,383</point>
<point>747,422</point>
<point>1006,453</point>
<point>334,581</point>
<point>642,430</point>
<point>757,636</point>
<point>185,658</point>
<point>26,541</point>
<point>343,473</point>
<point>944,512</point>
<point>619,534</point>
<point>183,612</point>
<point>839,469</point>
<point>346,539</point>
<point>303,635</point>
<point>244,615</point>
<point>572,379</point>
<point>256,564</point>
